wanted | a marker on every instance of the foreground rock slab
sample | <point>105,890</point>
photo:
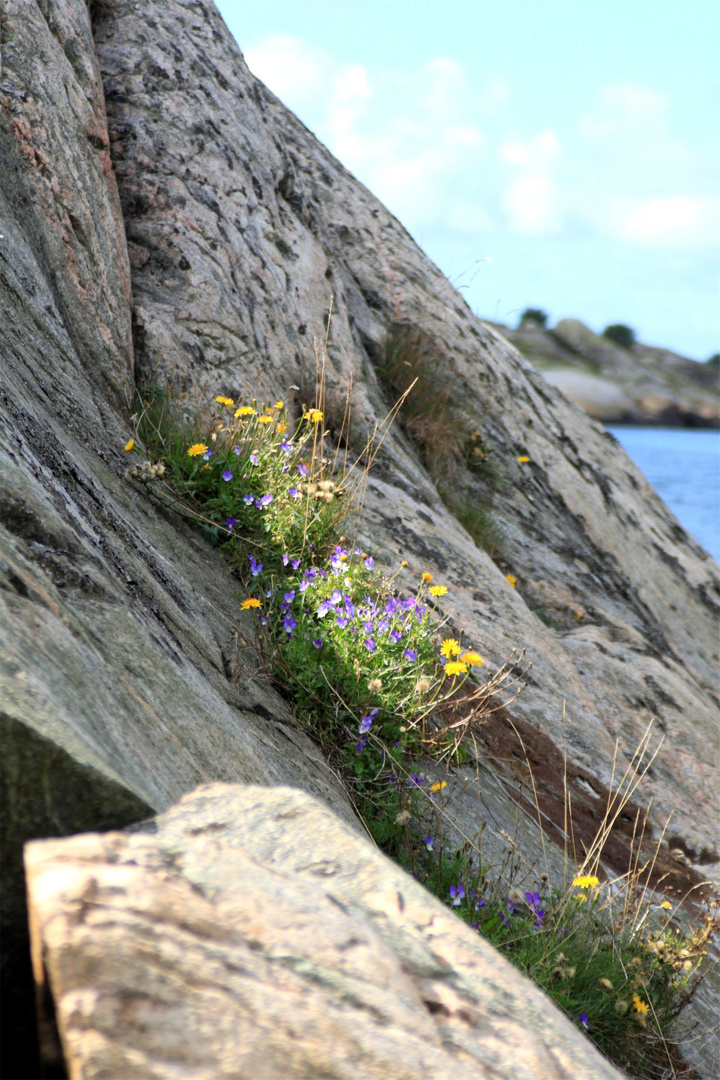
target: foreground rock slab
<point>248,932</point>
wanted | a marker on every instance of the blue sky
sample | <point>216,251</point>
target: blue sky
<point>561,155</point>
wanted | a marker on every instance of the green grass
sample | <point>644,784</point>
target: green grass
<point>391,697</point>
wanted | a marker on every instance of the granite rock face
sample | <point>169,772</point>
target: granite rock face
<point>252,934</point>
<point>240,225</point>
<point>203,249</point>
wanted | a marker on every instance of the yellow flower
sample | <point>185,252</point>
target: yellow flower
<point>245,410</point>
<point>281,429</point>
<point>404,563</point>
<point>639,1005</point>
<point>455,668</point>
<point>523,460</point>
<point>279,404</point>
<point>512,579</point>
<point>437,590</point>
<point>129,445</point>
<point>251,602</point>
<point>225,401</point>
<point>581,898</point>
<point>439,786</point>
<point>426,577</point>
<point>196,449</point>
<point>450,647</point>
<point>265,419</point>
<point>472,659</point>
<point>666,904</point>
<point>315,416</point>
<point>585,881</point>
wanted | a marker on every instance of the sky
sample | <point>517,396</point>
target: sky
<point>562,155</point>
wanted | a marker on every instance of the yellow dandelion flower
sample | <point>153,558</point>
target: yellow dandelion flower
<point>585,881</point>
<point>450,647</point>
<point>281,429</point>
<point>265,419</point>
<point>472,659</point>
<point>129,445</point>
<point>279,404</point>
<point>427,577</point>
<point>511,579</point>
<point>666,904</point>
<point>228,401</point>
<point>581,898</point>
<point>251,602</point>
<point>523,460</point>
<point>245,410</point>
<point>439,786</point>
<point>197,448</point>
<point>639,1005</point>
<point>315,416</point>
<point>404,563</point>
<point>455,667</point>
<point>437,590</point>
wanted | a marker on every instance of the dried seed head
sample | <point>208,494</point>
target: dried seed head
<point>403,817</point>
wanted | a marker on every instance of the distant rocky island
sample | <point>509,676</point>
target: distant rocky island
<point>635,384</point>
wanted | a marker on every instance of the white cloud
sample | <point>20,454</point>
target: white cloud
<point>297,72</point>
<point>532,203</point>
<point>677,221</point>
<point>536,153</point>
<point>624,109</point>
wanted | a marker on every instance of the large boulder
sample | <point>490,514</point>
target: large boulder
<point>250,933</point>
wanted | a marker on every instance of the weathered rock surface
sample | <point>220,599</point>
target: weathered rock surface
<point>215,173</point>
<point>125,676</point>
<point>642,385</point>
<point>250,933</point>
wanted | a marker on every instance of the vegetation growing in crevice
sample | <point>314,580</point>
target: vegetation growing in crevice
<point>396,703</point>
<point>413,364</point>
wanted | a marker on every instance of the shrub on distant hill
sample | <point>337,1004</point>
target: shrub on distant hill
<point>714,360</point>
<point>532,314</point>
<point>622,335</point>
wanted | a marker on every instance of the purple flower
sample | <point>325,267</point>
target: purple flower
<point>265,500</point>
<point>366,721</point>
<point>479,904</point>
<point>230,523</point>
<point>410,654</point>
<point>337,597</point>
<point>254,459</point>
<point>318,642</point>
<point>288,597</point>
<point>304,585</point>
<point>289,624</point>
<point>236,451</point>
<point>457,894</point>
<point>227,475</point>
<point>323,608</point>
<point>247,499</point>
<point>582,1017</point>
<point>395,636</point>
<point>370,644</point>
<point>361,744</point>
<point>286,447</point>
<point>294,492</point>
<point>285,559</point>
<point>509,908</point>
<point>295,563</point>
<point>415,780</point>
<point>303,470</point>
<point>255,567</point>
<point>341,621</point>
<point>428,841</point>
<point>369,563</point>
<point>207,455</point>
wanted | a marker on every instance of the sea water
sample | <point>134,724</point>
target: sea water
<point>683,465</point>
